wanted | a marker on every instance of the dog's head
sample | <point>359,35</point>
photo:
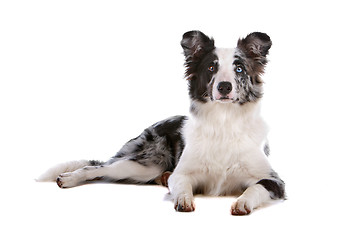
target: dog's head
<point>225,75</point>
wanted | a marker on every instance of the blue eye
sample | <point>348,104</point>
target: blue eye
<point>239,69</point>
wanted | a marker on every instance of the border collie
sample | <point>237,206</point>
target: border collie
<point>221,149</point>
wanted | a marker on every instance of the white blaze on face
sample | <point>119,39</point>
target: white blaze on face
<point>225,73</point>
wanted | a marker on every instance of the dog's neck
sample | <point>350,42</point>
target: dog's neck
<point>223,112</point>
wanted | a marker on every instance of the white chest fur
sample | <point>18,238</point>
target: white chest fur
<point>224,147</point>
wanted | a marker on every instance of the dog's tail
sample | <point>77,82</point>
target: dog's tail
<point>51,174</point>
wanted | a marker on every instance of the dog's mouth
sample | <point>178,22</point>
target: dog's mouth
<point>225,100</point>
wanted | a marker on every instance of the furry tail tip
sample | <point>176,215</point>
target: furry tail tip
<point>51,174</point>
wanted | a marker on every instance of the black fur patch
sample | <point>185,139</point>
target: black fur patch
<point>95,163</point>
<point>148,135</point>
<point>170,129</point>
<point>276,188</point>
<point>200,77</point>
<point>161,144</point>
<point>198,51</point>
<point>267,149</point>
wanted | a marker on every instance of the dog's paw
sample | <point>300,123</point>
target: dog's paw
<point>241,207</point>
<point>184,203</point>
<point>68,180</point>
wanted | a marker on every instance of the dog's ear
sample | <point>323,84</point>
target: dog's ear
<point>196,44</point>
<point>255,45</point>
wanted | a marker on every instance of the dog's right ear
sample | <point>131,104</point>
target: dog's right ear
<point>196,44</point>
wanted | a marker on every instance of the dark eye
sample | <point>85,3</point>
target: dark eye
<point>239,69</point>
<point>211,68</point>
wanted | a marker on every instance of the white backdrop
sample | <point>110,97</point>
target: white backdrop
<point>80,78</point>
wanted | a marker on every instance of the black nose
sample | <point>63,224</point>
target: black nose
<point>224,88</point>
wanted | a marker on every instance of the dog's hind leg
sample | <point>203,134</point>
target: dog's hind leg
<point>118,170</point>
<point>149,157</point>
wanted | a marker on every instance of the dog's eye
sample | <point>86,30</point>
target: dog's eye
<point>211,68</point>
<point>239,69</point>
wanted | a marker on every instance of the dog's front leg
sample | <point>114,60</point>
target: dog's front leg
<point>253,197</point>
<point>181,189</point>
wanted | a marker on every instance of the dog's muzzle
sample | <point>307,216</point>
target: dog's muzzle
<point>224,92</point>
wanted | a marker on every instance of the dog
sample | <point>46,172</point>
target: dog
<point>220,149</point>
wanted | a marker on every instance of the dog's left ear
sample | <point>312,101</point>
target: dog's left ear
<point>255,45</point>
